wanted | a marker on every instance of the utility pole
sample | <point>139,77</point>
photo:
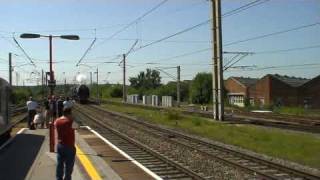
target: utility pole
<point>98,99</point>
<point>52,81</point>
<point>10,69</point>
<point>42,83</point>
<point>214,67</point>
<point>178,86</point>
<point>47,73</point>
<point>17,78</point>
<point>91,79</point>
<point>65,84</point>
<point>218,101</point>
<point>124,89</point>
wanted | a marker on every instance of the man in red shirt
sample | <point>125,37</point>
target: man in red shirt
<point>66,145</point>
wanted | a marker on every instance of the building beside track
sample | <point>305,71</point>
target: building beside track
<point>309,93</point>
<point>274,89</point>
<point>239,89</point>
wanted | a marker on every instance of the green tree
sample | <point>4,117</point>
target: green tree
<point>201,88</point>
<point>170,89</point>
<point>116,91</point>
<point>146,80</point>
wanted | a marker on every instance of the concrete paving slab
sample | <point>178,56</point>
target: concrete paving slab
<point>45,165</point>
<point>105,171</point>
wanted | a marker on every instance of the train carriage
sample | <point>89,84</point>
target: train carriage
<point>5,92</point>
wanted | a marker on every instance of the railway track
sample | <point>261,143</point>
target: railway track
<point>278,121</point>
<point>154,161</point>
<point>18,110</point>
<point>303,125</point>
<point>251,164</point>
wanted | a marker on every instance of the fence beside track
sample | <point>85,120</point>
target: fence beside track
<point>264,168</point>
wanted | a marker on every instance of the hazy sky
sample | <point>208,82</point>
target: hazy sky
<point>102,18</point>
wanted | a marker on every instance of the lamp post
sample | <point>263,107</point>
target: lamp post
<point>52,81</point>
<point>98,97</point>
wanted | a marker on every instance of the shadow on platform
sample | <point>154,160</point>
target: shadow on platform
<point>17,157</point>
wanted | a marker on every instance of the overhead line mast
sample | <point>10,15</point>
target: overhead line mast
<point>217,74</point>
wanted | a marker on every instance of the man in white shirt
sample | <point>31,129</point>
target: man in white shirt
<point>32,107</point>
<point>67,103</point>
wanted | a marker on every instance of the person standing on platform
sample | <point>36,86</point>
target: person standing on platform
<point>60,106</point>
<point>32,107</point>
<point>67,103</point>
<point>53,108</point>
<point>46,115</point>
<point>66,145</point>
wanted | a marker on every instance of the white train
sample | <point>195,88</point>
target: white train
<point>5,126</point>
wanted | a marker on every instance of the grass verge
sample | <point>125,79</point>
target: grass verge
<point>297,147</point>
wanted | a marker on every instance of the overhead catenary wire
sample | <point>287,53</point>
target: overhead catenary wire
<point>134,21</point>
<point>288,50</point>
<point>168,74</point>
<point>151,62</point>
<point>244,7</point>
<point>192,27</point>
<point>273,33</point>
<point>249,5</point>
<point>86,52</point>
<point>280,67</point>
<point>23,51</point>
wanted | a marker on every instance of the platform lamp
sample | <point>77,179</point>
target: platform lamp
<point>52,81</point>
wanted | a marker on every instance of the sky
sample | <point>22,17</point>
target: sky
<point>100,19</point>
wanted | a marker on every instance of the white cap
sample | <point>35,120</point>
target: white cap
<point>67,105</point>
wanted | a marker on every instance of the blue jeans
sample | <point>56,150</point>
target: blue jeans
<point>65,162</point>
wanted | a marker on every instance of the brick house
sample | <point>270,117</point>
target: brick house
<point>238,89</point>
<point>309,93</point>
<point>274,89</point>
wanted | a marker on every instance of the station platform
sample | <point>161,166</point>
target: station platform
<point>27,156</point>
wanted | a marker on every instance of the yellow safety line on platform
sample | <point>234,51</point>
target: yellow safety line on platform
<point>88,166</point>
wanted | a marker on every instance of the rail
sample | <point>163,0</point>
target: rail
<point>264,168</point>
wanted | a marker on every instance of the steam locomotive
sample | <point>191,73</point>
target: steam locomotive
<point>81,93</point>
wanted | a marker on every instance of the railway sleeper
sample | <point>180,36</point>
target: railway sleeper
<point>170,172</point>
<point>137,153</point>
<point>150,162</point>
<point>269,170</point>
<point>132,151</point>
<point>156,165</point>
<point>260,167</point>
<point>175,176</point>
<point>153,161</point>
<point>282,175</point>
<point>145,159</point>
<point>128,146</point>
<point>161,169</point>
<point>242,161</point>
